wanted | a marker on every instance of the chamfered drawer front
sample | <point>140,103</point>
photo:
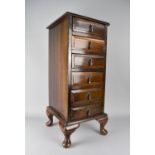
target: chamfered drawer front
<point>88,27</point>
<point>84,80</point>
<point>87,45</point>
<point>86,112</point>
<point>87,62</point>
<point>86,96</point>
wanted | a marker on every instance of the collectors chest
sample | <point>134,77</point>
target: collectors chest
<point>77,70</point>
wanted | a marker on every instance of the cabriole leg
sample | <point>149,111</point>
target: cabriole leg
<point>67,131</point>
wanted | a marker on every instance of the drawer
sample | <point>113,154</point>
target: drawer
<point>82,97</point>
<point>86,112</point>
<point>88,27</point>
<point>87,45</point>
<point>87,62</point>
<point>84,80</point>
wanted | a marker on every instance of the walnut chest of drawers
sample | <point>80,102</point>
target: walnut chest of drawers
<point>77,69</point>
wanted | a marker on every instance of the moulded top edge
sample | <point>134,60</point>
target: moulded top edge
<point>77,15</point>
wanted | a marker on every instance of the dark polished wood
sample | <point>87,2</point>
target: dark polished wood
<point>88,27</point>
<point>50,117</point>
<point>76,15</point>
<point>83,112</point>
<point>67,131</point>
<point>58,67</point>
<point>87,62</point>
<point>103,121</point>
<point>86,95</point>
<point>59,116</point>
<point>77,70</point>
<point>85,45</point>
<point>85,80</point>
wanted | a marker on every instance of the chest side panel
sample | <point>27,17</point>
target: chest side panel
<point>58,67</point>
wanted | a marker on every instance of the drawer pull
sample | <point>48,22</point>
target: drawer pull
<point>91,28</point>
<point>90,62</point>
<point>88,96</point>
<point>88,112</point>
<point>89,79</point>
<point>89,44</point>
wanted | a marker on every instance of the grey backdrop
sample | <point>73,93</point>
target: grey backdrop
<point>39,14</point>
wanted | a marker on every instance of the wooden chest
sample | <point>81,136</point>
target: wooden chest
<point>77,69</point>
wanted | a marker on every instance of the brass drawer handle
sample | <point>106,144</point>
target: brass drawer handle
<point>91,28</point>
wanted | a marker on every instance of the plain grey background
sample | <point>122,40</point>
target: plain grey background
<point>42,140</point>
